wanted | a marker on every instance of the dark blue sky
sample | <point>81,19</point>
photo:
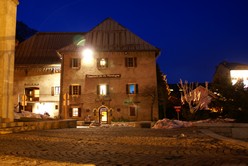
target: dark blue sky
<point>194,35</point>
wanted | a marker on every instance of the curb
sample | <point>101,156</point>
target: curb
<point>220,137</point>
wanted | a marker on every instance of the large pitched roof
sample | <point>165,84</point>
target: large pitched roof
<point>109,35</point>
<point>40,49</point>
<point>235,66</point>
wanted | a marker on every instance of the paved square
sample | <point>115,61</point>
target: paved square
<point>118,146</point>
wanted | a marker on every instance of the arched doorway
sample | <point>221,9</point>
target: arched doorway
<point>103,114</point>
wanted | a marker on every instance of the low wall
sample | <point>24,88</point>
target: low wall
<point>234,130</point>
<point>11,127</point>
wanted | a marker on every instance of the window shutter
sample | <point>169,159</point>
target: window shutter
<point>52,91</point>
<point>70,90</point>
<point>79,112</point>
<point>127,89</point>
<point>135,61</point>
<point>98,62</point>
<point>79,63</point>
<point>98,89</point>
<point>79,89</point>
<point>106,59</point>
<point>70,112</point>
<point>126,62</point>
<point>107,89</point>
<point>137,89</point>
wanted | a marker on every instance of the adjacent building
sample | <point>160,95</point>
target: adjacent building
<point>232,72</point>
<point>37,73</point>
<point>106,74</point>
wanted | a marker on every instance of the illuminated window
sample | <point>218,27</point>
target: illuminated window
<point>103,89</point>
<point>237,75</point>
<point>131,62</point>
<point>74,111</point>
<point>32,93</point>
<point>102,63</point>
<point>75,63</point>
<point>57,90</point>
<point>132,88</point>
<point>75,90</point>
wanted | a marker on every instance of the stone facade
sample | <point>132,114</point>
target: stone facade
<point>117,81</point>
<point>37,73</point>
<point>46,83</point>
<point>117,76</point>
<point>7,50</point>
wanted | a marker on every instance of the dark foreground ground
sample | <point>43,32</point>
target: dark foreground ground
<point>119,146</point>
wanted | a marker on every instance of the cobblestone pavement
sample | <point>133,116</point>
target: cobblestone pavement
<point>119,146</point>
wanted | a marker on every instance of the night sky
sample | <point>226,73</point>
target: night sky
<point>194,35</point>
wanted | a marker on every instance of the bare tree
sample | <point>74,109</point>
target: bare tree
<point>151,92</point>
<point>194,97</point>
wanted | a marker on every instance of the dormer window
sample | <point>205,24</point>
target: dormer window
<point>102,63</point>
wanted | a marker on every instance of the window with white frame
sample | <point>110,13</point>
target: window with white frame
<point>75,63</point>
<point>74,112</point>
<point>131,62</point>
<point>132,88</point>
<point>55,90</point>
<point>102,89</point>
<point>75,89</point>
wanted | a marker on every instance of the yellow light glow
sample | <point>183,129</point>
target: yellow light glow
<point>88,56</point>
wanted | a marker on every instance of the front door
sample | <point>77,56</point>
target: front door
<point>103,114</point>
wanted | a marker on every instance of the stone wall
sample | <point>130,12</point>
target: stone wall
<point>144,75</point>
<point>6,128</point>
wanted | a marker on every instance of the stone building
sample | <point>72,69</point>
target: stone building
<point>37,73</point>
<point>106,74</point>
<point>109,75</point>
<point>231,73</point>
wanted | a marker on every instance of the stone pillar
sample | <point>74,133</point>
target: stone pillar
<point>8,10</point>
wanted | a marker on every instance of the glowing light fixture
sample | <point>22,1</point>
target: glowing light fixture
<point>88,56</point>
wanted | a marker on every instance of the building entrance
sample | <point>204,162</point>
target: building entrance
<point>103,114</point>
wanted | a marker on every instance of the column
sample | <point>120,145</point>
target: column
<point>8,10</point>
